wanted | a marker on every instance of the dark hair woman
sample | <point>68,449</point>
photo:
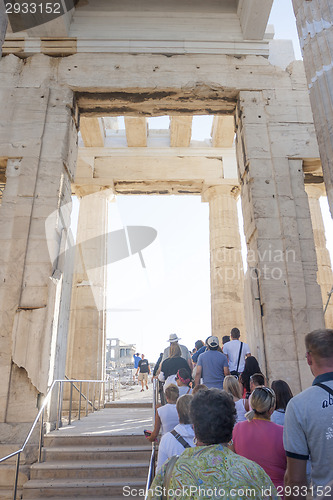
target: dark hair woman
<point>183,380</point>
<point>251,367</point>
<point>171,365</point>
<point>211,469</point>
<point>283,396</point>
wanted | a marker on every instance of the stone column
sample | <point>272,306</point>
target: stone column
<point>38,140</point>
<point>281,251</point>
<point>226,266</point>
<point>87,335</point>
<point>324,274</point>
<point>3,24</point>
<point>315,30</point>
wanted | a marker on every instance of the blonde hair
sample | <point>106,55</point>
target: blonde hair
<point>183,408</point>
<point>199,387</point>
<point>231,385</point>
<point>262,400</point>
<point>175,350</point>
<point>172,393</point>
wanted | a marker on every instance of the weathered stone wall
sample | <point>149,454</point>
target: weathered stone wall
<point>38,136</point>
<point>275,130</point>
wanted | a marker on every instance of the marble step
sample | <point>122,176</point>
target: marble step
<point>105,453</point>
<point>81,440</point>
<point>86,488</point>
<point>89,469</point>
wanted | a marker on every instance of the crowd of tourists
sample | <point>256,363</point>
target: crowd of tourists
<point>225,432</point>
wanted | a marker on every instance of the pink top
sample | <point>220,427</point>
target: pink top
<point>261,441</point>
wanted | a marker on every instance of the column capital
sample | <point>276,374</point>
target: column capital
<point>228,188</point>
<point>315,190</point>
<point>81,190</point>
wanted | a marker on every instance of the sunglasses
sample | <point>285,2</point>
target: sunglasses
<point>267,390</point>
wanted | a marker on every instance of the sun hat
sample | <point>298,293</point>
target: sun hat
<point>173,337</point>
<point>213,341</point>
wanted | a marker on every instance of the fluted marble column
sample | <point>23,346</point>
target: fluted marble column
<point>324,274</point>
<point>226,266</point>
<point>86,343</point>
<point>315,30</point>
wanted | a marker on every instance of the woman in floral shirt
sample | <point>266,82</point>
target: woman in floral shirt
<point>211,470</point>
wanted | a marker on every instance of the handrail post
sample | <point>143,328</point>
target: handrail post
<point>59,416</point>
<point>70,404</point>
<point>80,397</point>
<point>93,398</point>
<point>41,436</point>
<point>113,389</point>
<point>87,409</point>
<point>99,395</point>
<point>17,468</point>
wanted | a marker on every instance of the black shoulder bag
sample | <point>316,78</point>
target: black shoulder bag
<point>323,386</point>
<point>180,439</point>
<point>235,373</point>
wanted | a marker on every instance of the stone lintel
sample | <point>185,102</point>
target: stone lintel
<point>106,170</point>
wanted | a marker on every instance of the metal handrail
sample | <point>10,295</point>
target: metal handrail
<point>79,391</point>
<point>40,415</point>
<point>151,470</point>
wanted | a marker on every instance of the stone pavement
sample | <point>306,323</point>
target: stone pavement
<point>113,421</point>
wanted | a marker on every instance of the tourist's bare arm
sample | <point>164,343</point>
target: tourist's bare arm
<point>295,479</point>
<point>156,430</point>
<point>197,375</point>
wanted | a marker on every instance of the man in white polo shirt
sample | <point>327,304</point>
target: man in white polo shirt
<point>236,352</point>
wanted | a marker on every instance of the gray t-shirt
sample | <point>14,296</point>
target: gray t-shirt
<point>308,429</point>
<point>212,365</point>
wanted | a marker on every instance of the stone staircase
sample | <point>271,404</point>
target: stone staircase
<point>92,467</point>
